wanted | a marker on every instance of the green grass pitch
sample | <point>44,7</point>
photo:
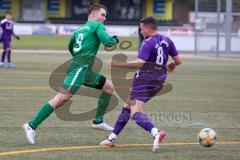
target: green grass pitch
<point>206,93</point>
<point>57,42</point>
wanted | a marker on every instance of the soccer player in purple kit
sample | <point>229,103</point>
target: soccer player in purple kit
<point>7,32</point>
<point>148,80</point>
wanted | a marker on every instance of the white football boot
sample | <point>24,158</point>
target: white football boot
<point>29,132</point>
<point>102,126</point>
<point>157,140</point>
<point>108,143</point>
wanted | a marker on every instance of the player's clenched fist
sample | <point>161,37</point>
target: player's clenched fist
<point>171,67</point>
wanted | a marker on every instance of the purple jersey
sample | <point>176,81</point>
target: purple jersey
<point>7,29</point>
<point>155,51</point>
<point>148,81</point>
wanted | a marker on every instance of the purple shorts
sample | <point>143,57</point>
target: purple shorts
<point>6,44</point>
<point>144,90</point>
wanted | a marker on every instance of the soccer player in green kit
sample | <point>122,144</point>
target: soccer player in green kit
<point>83,46</point>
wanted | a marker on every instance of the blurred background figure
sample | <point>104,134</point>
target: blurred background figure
<point>7,32</point>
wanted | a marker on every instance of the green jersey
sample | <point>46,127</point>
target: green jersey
<point>85,43</point>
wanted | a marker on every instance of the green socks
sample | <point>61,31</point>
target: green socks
<point>103,102</point>
<point>47,109</point>
<point>42,114</point>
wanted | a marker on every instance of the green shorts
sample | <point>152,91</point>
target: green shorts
<point>82,76</point>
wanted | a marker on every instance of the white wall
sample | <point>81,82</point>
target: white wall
<point>205,43</point>
<point>183,37</point>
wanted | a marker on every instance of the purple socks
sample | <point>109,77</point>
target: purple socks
<point>3,56</point>
<point>122,120</point>
<point>8,56</point>
<point>140,118</point>
<point>143,121</point>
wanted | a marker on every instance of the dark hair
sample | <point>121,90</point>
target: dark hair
<point>149,22</point>
<point>8,12</point>
<point>96,6</point>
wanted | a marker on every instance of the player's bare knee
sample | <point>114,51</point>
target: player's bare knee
<point>132,113</point>
<point>136,108</point>
<point>108,87</point>
<point>108,90</point>
<point>59,100</point>
<point>64,98</point>
<point>126,105</point>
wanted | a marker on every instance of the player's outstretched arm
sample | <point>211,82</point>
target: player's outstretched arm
<point>134,64</point>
